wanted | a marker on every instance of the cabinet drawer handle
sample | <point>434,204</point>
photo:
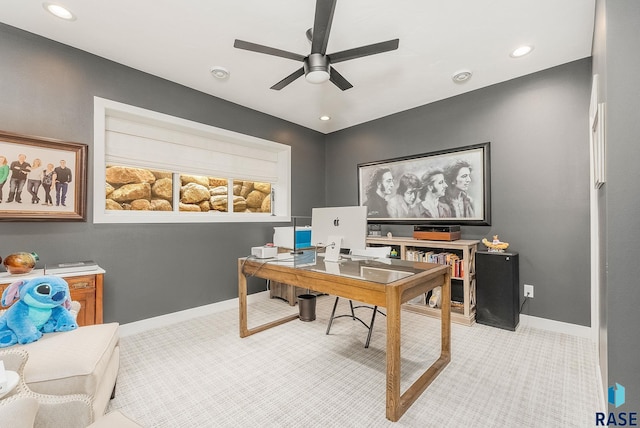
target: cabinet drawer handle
<point>80,285</point>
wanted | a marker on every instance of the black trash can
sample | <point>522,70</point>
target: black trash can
<point>307,307</point>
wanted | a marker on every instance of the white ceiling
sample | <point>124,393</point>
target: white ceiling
<point>181,41</point>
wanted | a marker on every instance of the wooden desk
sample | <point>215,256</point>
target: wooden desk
<point>391,295</point>
<point>85,287</point>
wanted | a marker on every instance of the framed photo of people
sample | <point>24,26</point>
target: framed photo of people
<point>444,187</point>
<point>42,179</point>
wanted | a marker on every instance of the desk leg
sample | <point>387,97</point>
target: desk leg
<point>397,403</point>
<point>445,347</point>
<point>242,299</point>
<point>393,354</point>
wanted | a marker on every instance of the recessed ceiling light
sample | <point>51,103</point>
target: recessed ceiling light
<point>219,72</point>
<point>59,11</point>
<point>521,51</point>
<point>461,76</point>
<point>325,118</point>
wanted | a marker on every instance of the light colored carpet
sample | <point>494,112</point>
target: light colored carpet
<point>200,373</point>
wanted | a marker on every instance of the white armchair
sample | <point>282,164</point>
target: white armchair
<point>72,375</point>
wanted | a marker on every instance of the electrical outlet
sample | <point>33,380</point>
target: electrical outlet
<point>528,291</point>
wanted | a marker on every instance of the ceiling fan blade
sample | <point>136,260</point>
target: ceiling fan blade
<point>248,46</point>
<point>373,49</point>
<point>338,80</point>
<point>322,25</point>
<point>290,78</point>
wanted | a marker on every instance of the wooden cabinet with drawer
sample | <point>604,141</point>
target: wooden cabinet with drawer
<point>85,287</point>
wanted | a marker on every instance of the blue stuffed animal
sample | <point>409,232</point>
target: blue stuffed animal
<point>43,308</point>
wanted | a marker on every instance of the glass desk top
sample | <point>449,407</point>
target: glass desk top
<point>380,270</point>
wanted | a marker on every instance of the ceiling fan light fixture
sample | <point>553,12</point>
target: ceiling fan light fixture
<point>59,11</point>
<point>316,68</point>
<point>461,76</point>
<point>320,76</point>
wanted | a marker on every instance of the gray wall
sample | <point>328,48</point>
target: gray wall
<point>616,59</point>
<point>47,89</point>
<point>538,129</point>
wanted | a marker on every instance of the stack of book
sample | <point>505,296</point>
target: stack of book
<point>457,269</point>
<point>60,268</point>
<point>443,258</point>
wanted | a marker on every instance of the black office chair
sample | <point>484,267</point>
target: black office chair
<point>378,252</point>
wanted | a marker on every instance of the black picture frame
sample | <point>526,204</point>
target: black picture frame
<point>465,201</point>
<point>70,207</point>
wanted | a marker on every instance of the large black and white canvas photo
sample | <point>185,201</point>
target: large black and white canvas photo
<point>444,187</point>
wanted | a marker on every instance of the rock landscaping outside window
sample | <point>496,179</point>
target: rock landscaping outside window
<point>140,189</point>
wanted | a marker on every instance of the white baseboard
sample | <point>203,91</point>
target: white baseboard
<point>187,314</point>
<point>556,326</point>
<point>174,317</point>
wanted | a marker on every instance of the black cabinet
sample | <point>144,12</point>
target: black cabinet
<point>497,289</point>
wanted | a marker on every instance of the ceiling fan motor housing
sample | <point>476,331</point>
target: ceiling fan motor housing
<point>316,68</point>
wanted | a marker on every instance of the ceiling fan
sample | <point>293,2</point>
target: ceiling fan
<point>317,67</point>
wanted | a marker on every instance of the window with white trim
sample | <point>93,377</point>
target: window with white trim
<point>154,168</point>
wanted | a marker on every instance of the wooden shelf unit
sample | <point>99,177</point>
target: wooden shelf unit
<point>465,311</point>
<point>85,287</point>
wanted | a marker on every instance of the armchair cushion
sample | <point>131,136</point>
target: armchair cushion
<point>73,362</point>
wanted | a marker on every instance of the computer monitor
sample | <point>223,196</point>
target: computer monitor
<point>349,224</point>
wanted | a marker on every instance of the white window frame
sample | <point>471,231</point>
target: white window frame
<point>281,189</point>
